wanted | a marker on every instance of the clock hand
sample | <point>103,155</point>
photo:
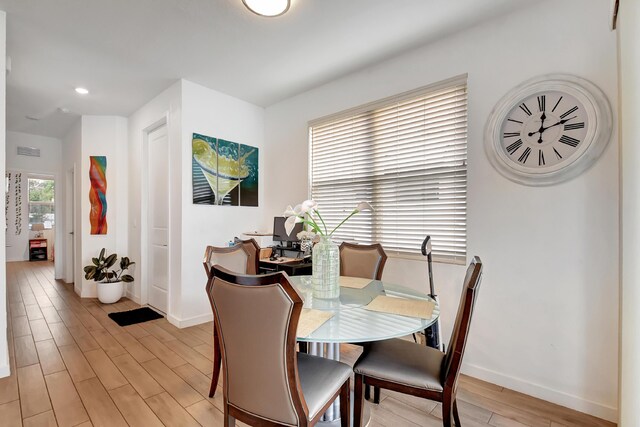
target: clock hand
<point>561,122</point>
<point>542,119</point>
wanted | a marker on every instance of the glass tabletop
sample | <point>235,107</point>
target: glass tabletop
<point>352,323</point>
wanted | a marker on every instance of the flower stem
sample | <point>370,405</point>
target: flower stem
<point>325,225</point>
<point>355,211</point>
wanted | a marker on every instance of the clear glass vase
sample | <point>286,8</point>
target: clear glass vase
<point>326,269</point>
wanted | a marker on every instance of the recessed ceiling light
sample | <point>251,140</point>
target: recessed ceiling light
<point>268,8</point>
<point>82,91</point>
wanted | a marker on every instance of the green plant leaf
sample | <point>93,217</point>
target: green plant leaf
<point>126,278</point>
<point>96,261</point>
<point>101,257</point>
<point>124,263</point>
<point>111,259</point>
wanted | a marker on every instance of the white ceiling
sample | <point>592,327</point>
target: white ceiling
<point>127,51</point>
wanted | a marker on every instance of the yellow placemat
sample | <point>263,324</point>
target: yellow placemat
<point>353,282</point>
<point>402,306</point>
<point>310,320</point>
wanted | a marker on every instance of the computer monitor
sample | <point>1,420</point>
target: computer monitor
<point>280,233</point>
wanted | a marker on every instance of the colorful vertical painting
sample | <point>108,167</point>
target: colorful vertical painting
<point>224,172</point>
<point>98,194</point>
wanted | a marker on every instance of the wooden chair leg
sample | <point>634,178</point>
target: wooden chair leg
<point>456,417</point>
<point>367,392</point>
<point>345,404</point>
<point>358,400</point>
<point>376,395</point>
<point>217,363</point>
<point>447,410</point>
<point>229,421</point>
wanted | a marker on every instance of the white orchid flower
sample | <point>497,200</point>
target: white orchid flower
<point>291,222</point>
<point>289,211</point>
<point>364,206</point>
<point>308,205</point>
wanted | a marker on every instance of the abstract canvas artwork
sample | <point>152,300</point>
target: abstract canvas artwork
<point>98,194</point>
<point>224,172</point>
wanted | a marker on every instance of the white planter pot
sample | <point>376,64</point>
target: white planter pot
<point>109,293</point>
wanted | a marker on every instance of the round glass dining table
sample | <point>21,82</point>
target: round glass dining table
<point>353,323</point>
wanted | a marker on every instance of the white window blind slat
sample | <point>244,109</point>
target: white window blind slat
<point>407,156</point>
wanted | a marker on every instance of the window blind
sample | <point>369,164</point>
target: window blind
<point>406,155</point>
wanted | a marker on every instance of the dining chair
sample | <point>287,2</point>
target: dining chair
<point>366,261</point>
<point>409,368</point>
<point>243,257</point>
<point>266,382</point>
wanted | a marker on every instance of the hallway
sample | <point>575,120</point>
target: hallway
<point>73,366</point>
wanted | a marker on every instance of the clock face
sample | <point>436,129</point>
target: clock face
<point>544,130</point>
<point>548,129</point>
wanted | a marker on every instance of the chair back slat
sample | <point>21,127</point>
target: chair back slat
<point>366,261</point>
<point>243,257</point>
<point>452,361</point>
<point>257,317</point>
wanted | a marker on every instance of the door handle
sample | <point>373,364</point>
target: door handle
<point>71,232</point>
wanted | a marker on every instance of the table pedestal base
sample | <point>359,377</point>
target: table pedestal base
<point>332,416</point>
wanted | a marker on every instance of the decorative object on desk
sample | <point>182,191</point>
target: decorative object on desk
<point>109,281</point>
<point>38,229</point>
<point>326,255</point>
<point>98,194</point>
<point>224,172</point>
<point>306,240</point>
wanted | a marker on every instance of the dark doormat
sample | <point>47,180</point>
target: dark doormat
<point>131,317</point>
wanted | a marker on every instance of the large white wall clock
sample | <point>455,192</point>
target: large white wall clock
<point>548,129</point>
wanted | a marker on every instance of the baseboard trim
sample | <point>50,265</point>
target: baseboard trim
<point>191,321</point>
<point>596,409</point>
<point>133,297</point>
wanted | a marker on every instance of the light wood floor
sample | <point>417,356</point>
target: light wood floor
<point>72,366</point>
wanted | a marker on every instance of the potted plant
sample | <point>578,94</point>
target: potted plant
<point>109,281</point>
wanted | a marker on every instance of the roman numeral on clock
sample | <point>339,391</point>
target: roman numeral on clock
<point>542,100</point>
<point>540,158</point>
<point>566,113</point>
<point>556,106</point>
<point>514,147</point>
<point>525,155</point>
<point>510,134</point>
<point>569,141</point>
<point>515,121</point>
<point>574,126</point>
<point>558,156</point>
<point>524,108</point>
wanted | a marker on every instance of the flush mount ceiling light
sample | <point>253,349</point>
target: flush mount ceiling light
<point>82,91</point>
<point>268,8</point>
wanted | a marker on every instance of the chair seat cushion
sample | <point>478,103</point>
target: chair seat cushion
<point>319,379</point>
<point>402,362</point>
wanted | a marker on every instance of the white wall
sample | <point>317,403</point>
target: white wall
<point>629,57</point>
<point>4,352</point>
<point>211,113</point>
<point>49,163</point>
<point>546,321</point>
<point>103,136</point>
<point>189,108</point>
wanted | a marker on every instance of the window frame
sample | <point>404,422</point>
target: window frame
<point>40,203</point>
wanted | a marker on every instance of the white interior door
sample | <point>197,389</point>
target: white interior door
<point>158,218</point>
